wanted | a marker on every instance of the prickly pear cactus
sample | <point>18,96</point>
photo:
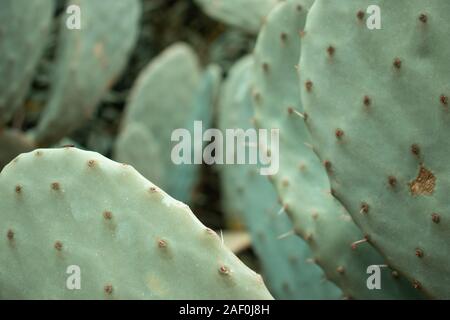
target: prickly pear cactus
<point>173,88</point>
<point>184,177</point>
<point>285,259</point>
<point>302,182</point>
<point>246,14</point>
<point>378,111</point>
<point>137,145</point>
<point>88,63</point>
<point>23,30</point>
<point>65,210</point>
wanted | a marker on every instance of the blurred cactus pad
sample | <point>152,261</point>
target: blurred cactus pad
<point>135,134</point>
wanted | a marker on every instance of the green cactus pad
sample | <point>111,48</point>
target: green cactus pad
<point>248,15</point>
<point>377,104</point>
<point>174,88</point>
<point>23,33</point>
<point>88,63</point>
<point>137,146</point>
<point>302,182</point>
<point>67,207</point>
<point>12,143</point>
<point>285,259</point>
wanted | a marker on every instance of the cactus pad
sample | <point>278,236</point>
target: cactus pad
<point>24,29</point>
<point>378,113</point>
<point>89,61</point>
<point>302,182</point>
<point>130,240</point>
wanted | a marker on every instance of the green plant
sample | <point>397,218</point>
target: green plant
<point>87,64</point>
<point>302,182</point>
<point>173,87</point>
<point>19,55</point>
<point>285,259</point>
<point>248,15</point>
<point>377,105</point>
<point>362,179</point>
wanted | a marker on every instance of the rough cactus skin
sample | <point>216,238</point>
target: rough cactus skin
<point>378,113</point>
<point>24,29</point>
<point>174,88</point>
<point>287,272</point>
<point>63,207</point>
<point>245,14</point>
<point>88,63</point>
<point>302,181</point>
